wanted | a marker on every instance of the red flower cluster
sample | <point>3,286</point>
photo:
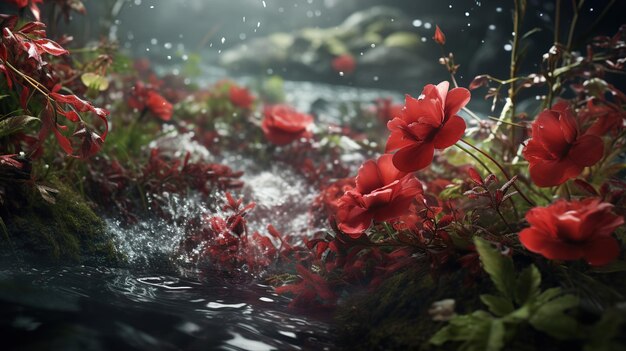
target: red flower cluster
<point>282,124</point>
<point>240,97</point>
<point>428,123</point>
<point>344,63</point>
<point>145,98</point>
<point>382,193</point>
<point>557,150</point>
<point>573,230</point>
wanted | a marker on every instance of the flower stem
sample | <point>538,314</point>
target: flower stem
<point>504,172</point>
<point>474,157</point>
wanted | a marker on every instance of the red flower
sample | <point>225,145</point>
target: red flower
<point>556,151</point>
<point>439,37</point>
<point>607,118</point>
<point>382,193</point>
<point>144,98</point>
<point>573,230</point>
<point>282,124</point>
<point>240,97</point>
<point>426,124</point>
<point>344,63</point>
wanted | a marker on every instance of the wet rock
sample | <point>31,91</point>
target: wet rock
<point>380,38</point>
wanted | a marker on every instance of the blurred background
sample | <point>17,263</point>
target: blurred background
<point>390,41</point>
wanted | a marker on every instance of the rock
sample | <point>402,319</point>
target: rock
<point>382,40</point>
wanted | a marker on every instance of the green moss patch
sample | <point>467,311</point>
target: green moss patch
<point>68,230</point>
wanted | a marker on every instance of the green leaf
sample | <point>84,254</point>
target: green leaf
<point>95,81</point>
<point>499,268</point>
<point>552,320</point>
<point>14,124</point>
<point>604,331</point>
<point>462,328</point>
<point>548,295</point>
<point>497,305</point>
<point>527,286</point>
<point>495,340</point>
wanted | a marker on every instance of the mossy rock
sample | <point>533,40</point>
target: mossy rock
<point>67,230</point>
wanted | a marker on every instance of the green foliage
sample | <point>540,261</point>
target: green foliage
<point>500,269</point>
<point>521,303</point>
<point>13,124</point>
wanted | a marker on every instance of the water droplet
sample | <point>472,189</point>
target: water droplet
<point>508,47</point>
<point>417,23</point>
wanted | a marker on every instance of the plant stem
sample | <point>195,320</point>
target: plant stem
<point>557,22</point>
<point>517,23</point>
<point>572,26</point>
<point>474,157</point>
<point>504,172</point>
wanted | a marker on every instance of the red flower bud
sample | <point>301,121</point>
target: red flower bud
<point>439,37</point>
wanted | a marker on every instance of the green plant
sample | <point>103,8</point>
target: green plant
<point>520,303</point>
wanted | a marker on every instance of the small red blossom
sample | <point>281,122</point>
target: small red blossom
<point>344,63</point>
<point>145,98</point>
<point>425,124</point>
<point>439,37</point>
<point>382,193</point>
<point>573,230</point>
<point>557,150</point>
<point>240,97</point>
<point>282,124</point>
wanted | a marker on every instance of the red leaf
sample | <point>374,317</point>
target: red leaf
<point>479,81</point>
<point>586,187</point>
<point>475,176</point>
<point>64,142</point>
<point>51,47</point>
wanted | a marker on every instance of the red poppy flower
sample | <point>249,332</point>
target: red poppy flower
<point>573,230</point>
<point>439,37</point>
<point>240,97</point>
<point>144,98</point>
<point>282,124</point>
<point>557,151</point>
<point>382,193</point>
<point>344,63</point>
<point>428,123</point>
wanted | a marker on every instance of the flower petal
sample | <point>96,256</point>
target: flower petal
<point>450,133</point>
<point>601,250</point>
<point>456,99</point>
<point>414,157</point>
<point>587,150</point>
<point>548,246</point>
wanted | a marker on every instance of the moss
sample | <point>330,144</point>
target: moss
<point>68,230</point>
<point>395,316</point>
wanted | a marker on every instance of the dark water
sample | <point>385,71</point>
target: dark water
<point>88,308</point>
<point>51,307</point>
